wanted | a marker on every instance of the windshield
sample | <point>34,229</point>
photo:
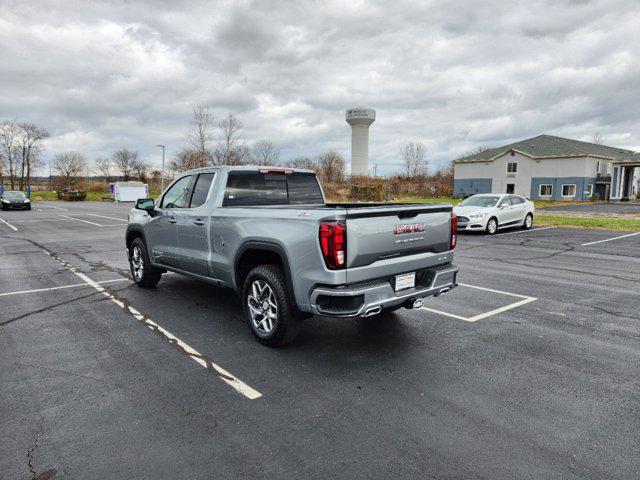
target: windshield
<point>13,195</point>
<point>479,202</point>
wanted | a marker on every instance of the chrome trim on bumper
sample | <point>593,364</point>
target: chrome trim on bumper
<point>383,295</point>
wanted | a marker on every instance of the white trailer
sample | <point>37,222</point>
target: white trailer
<point>128,191</point>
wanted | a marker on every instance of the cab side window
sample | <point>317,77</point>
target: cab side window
<point>201,189</point>
<point>505,202</point>
<point>178,195</point>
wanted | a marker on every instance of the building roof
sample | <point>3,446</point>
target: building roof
<point>548,146</point>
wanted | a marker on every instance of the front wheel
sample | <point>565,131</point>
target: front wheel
<point>142,272</point>
<point>492,226</point>
<point>268,308</point>
<point>528,222</point>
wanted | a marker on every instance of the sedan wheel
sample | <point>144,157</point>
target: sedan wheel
<point>492,226</point>
<point>528,221</point>
<point>263,308</point>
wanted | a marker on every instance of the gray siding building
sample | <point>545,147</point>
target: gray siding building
<point>543,167</point>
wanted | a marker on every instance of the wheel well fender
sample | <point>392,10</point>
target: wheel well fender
<point>254,253</point>
<point>132,234</point>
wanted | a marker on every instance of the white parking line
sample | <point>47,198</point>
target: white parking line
<point>196,356</point>
<point>525,299</point>
<point>8,224</point>
<point>521,231</point>
<point>75,285</point>
<point>610,239</point>
<point>57,208</point>
<point>79,220</point>
<point>110,218</point>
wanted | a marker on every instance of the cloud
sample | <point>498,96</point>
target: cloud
<point>452,74</point>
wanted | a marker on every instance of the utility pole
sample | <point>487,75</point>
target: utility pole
<point>162,175</point>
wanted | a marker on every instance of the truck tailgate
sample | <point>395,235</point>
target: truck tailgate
<point>379,234</point>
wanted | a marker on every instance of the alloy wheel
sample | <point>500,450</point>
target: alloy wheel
<point>263,308</point>
<point>137,263</point>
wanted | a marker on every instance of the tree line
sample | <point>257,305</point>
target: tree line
<point>211,143</point>
<point>21,146</point>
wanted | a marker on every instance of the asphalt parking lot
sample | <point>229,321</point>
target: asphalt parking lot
<point>529,369</point>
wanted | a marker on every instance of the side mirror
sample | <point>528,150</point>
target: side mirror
<point>146,204</point>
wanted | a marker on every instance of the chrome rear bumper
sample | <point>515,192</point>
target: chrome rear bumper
<point>369,298</point>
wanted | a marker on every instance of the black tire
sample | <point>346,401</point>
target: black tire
<point>286,324</point>
<point>490,230</point>
<point>150,275</point>
<point>528,222</point>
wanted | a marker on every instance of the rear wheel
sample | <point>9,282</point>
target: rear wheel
<point>528,222</point>
<point>492,226</point>
<point>142,272</point>
<point>268,307</point>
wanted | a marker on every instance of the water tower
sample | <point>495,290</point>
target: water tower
<point>360,118</point>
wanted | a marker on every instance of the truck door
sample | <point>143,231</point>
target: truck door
<point>193,228</point>
<point>162,231</point>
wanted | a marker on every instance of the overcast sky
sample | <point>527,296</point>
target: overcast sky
<point>454,75</point>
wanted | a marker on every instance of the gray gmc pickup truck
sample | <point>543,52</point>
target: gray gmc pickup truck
<point>267,233</point>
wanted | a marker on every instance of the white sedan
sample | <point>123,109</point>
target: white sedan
<point>490,212</point>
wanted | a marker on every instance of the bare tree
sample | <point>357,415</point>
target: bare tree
<point>414,155</point>
<point>104,166</point>
<point>125,160</point>
<point>140,168</point>
<point>9,144</point>
<point>302,162</point>
<point>199,135</point>
<point>331,167</point>
<point>263,153</point>
<point>185,159</point>
<point>596,138</point>
<point>230,149</point>
<point>70,165</point>
<point>30,143</point>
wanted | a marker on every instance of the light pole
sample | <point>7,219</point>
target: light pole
<point>162,176</point>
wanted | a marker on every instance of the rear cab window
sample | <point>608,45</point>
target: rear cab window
<point>260,189</point>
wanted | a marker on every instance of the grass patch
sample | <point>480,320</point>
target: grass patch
<point>589,222</point>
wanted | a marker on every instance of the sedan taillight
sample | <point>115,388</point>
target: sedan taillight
<point>333,244</point>
<point>454,231</point>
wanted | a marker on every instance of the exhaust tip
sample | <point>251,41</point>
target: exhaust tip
<point>372,311</point>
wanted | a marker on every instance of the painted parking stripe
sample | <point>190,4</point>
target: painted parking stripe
<point>57,208</point>
<point>110,218</point>
<point>80,220</point>
<point>521,231</point>
<point>610,239</point>
<point>524,300</point>
<point>50,289</point>
<point>196,356</point>
<point>8,224</point>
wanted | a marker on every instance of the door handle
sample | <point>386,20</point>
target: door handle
<point>198,221</point>
<point>172,220</point>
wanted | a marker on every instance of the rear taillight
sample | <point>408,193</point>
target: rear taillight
<point>454,231</point>
<point>333,244</point>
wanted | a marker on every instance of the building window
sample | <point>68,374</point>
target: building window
<point>512,167</point>
<point>546,190</point>
<point>589,189</point>
<point>598,167</point>
<point>569,190</point>
<point>511,187</point>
